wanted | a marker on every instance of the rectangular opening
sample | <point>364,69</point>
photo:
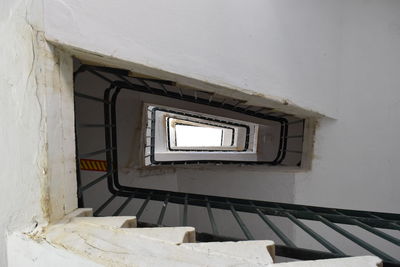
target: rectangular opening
<point>189,133</point>
<point>199,136</point>
<point>176,135</point>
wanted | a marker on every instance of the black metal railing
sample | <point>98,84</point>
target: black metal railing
<point>376,223</point>
<point>373,222</point>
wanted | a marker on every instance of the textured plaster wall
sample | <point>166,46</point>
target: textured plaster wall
<point>21,137</point>
<point>37,180</point>
<point>24,251</point>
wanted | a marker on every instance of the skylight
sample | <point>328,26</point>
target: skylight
<point>198,136</point>
<point>204,134</point>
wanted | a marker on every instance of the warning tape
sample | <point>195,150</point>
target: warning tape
<point>93,165</point>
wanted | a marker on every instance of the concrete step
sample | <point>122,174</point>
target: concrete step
<point>117,222</point>
<point>81,218</point>
<point>175,235</point>
<point>256,252</point>
<point>362,261</point>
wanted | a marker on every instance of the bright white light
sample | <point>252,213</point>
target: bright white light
<point>195,136</point>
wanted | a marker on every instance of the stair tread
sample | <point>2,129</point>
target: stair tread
<point>260,251</point>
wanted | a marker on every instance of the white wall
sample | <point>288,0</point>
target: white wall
<point>21,143</point>
<point>357,154</point>
<point>37,177</point>
<point>270,48</point>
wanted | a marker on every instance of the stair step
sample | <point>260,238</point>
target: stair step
<point>175,235</point>
<point>118,222</point>
<point>362,261</point>
<point>255,252</point>
<point>81,212</point>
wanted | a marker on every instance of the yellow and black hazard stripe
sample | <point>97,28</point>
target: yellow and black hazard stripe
<point>93,165</point>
